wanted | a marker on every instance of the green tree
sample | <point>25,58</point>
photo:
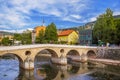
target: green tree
<point>17,36</point>
<point>117,24</point>
<point>104,28</point>
<point>5,41</point>
<point>51,33</point>
<point>26,38</point>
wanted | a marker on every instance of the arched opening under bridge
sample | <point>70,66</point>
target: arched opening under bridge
<point>73,55</point>
<point>42,64</point>
<point>10,62</point>
<point>91,54</point>
<point>44,56</point>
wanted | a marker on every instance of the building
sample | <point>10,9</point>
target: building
<point>35,32</point>
<point>85,34</point>
<point>68,36</point>
<point>38,29</point>
<point>6,35</point>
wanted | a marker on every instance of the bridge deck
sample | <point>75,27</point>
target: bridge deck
<point>2,48</point>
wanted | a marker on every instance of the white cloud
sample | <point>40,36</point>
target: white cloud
<point>19,11</point>
<point>76,16</point>
<point>13,31</point>
<point>4,27</point>
<point>92,19</point>
<point>68,18</point>
<point>116,13</point>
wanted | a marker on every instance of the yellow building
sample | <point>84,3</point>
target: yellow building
<point>3,36</point>
<point>68,36</point>
<point>38,29</point>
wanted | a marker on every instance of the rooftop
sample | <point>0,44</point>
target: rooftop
<point>65,33</point>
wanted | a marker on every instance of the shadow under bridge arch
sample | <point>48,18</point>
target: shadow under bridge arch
<point>45,55</point>
<point>91,54</point>
<point>73,55</point>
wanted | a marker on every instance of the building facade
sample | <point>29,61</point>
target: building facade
<point>5,36</point>
<point>68,36</point>
<point>85,34</point>
<point>38,29</point>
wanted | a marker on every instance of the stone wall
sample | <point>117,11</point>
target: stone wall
<point>113,54</point>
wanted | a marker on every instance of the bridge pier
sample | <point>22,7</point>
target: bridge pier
<point>74,58</point>
<point>84,58</point>
<point>28,64</point>
<point>61,60</point>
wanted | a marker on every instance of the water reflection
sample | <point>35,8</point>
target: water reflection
<point>9,69</point>
<point>48,71</point>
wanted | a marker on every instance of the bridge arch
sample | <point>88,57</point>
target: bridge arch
<point>14,55</point>
<point>45,52</point>
<point>73,55</point>
<point>48,51</point>
<point>73,52</point>
<point>91,54</point>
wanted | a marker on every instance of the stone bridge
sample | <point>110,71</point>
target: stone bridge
<point>26,54</point>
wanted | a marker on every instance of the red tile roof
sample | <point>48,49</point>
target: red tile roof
<point>65,32</point>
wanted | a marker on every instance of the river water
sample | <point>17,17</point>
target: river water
<point>9,70</point>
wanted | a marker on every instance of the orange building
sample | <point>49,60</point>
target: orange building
<point>38,29</point>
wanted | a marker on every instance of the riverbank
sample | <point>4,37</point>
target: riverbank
<point>105,61</point>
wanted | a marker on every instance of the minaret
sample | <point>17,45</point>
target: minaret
<point>43,22</point>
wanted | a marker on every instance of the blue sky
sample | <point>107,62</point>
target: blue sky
<point>19,15</point>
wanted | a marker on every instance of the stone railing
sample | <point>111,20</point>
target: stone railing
<point>41,45</point>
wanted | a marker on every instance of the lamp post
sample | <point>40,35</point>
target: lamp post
<point>33,36</point>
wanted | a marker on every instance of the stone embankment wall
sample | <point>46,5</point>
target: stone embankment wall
<point>113,54</point>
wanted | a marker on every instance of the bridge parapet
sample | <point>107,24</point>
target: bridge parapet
<point>43,45</point>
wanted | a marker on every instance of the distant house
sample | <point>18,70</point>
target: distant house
<point>6,35</point>
<point>68,36</point>
<point>85,34</point>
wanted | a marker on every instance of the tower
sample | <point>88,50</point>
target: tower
<point>43,22</point>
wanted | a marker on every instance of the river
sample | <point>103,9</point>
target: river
<point>44,70</point>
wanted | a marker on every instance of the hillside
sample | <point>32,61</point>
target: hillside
<point>117,16</point>
<point>6,33</point>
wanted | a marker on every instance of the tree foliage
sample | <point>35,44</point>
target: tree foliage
<point>5,41</point>
<point>117,24</point>
<point>26,38</point>
<point>17,36</point>
<point>51,33</point>
<point>105,29</point>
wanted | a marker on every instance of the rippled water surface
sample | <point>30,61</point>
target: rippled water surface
<point>9,70</point>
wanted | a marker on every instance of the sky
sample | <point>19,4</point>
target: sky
<point>19,15</point>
